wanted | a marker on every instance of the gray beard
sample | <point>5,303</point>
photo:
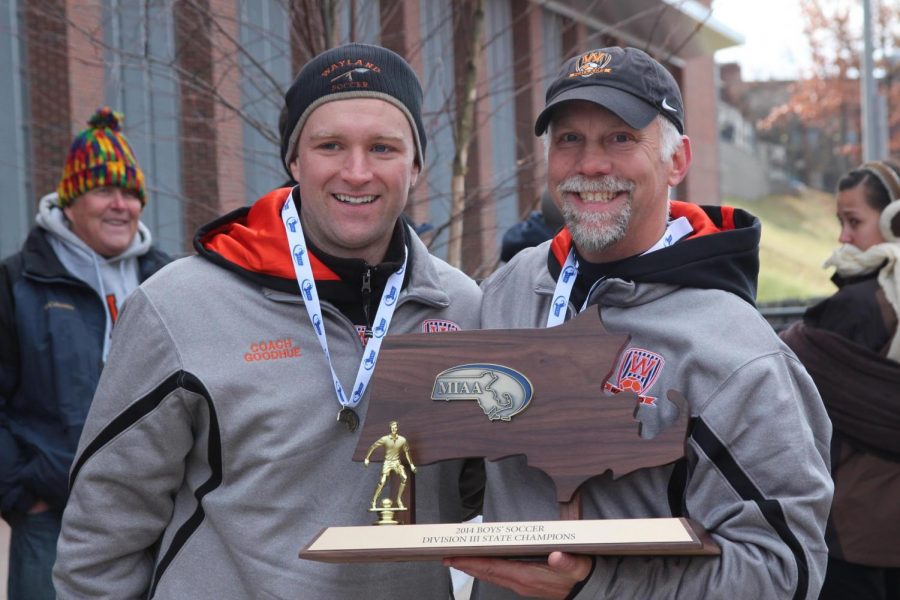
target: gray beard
<point>596,232</point>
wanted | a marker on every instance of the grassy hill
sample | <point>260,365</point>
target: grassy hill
<point>798,234</point>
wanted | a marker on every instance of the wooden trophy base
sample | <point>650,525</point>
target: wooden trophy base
<point>408,543</point>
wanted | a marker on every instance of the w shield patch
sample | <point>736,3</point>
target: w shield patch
<point>638,372</point>
<point>438,325</point>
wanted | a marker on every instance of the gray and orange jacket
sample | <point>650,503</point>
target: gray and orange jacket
<point>212,453</point>
<point>755,473</point>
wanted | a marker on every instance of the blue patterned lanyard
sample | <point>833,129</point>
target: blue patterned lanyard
<point>303,272</point>
<point>564,285</point>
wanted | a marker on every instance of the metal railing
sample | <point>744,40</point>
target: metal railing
<point>783,314</point>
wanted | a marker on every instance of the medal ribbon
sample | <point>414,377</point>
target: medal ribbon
<point>303,272</point>
<point>675,230</point>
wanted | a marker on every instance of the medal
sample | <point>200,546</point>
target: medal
<point>348,416</point>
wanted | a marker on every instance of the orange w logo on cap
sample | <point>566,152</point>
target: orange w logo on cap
<point>591,62</point>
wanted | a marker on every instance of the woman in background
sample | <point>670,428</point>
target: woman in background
<point>850,345</point>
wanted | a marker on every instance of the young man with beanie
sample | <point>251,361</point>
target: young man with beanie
<point>680,280</point>
<point>59,299</point>
<point>203,472</point>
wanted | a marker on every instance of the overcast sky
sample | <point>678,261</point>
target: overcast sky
<point>775,46</point>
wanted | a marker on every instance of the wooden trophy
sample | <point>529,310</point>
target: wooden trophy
<point>496,393</point>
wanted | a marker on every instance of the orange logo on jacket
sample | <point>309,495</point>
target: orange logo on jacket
<point>113,307</point>
<point>272,350</point>
<point>637,373</point>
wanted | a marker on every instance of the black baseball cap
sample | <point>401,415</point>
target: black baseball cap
<point>625,81</point>
<point>352,71</point>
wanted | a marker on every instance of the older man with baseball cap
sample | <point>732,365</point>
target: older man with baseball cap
<point>680,279</point>
<point>221,437</point>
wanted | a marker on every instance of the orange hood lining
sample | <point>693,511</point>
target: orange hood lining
<point>257,242</point>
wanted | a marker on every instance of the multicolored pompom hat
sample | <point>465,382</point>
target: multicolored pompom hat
<point>100,156</point>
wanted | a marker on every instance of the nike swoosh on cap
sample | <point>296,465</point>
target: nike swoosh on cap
<point>669,108</point>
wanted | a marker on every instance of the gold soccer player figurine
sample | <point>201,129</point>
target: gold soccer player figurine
<point>393,444</point>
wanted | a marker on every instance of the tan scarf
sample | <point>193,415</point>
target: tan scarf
<point>850,261</point>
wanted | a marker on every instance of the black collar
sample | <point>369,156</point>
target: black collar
<point>347,294</point>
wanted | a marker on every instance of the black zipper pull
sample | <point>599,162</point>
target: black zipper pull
<point>367,300</point>
<point>367,282</point>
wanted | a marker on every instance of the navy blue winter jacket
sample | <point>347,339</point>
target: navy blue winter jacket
<point>51,341</point>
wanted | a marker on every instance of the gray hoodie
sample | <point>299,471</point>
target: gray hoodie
<point>755,473</point>
<point>114,279</point>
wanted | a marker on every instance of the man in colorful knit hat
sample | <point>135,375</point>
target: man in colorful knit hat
<point>59,299</point>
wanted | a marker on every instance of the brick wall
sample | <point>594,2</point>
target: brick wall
<point>229,129</point>
<point>199,169</point>
<point>700,105</point>
<point>64,75</point>
<point>479,218</point>
<point>400,31</point>
<point>48,92</point>
<point>85,60</point>
<point>527,53</point>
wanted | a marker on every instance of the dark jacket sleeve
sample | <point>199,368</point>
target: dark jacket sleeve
<point>13,460</point>
<point>858,387</point>
<point>151,262</point>
<point>853,313</point>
